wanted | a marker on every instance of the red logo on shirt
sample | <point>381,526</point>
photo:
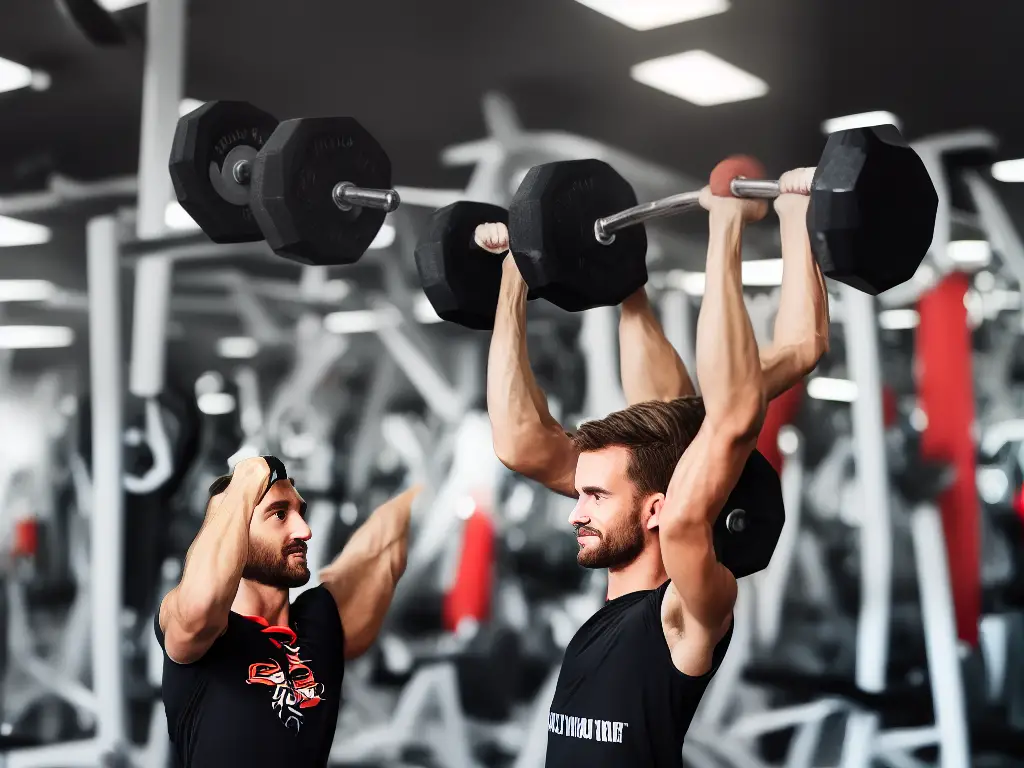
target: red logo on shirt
<point>296,688</point>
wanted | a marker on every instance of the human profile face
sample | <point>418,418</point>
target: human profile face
<point>278,534</point>
<point>610,520</point>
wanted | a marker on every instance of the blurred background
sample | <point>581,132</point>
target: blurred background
<point>139,360</point>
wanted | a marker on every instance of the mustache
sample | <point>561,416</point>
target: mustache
<point>582,530</point>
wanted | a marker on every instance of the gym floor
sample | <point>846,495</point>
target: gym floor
<point>156,327</point>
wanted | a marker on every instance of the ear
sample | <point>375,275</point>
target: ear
<point>652,509</point>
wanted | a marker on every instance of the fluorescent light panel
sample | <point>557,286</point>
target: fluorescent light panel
<point>424,312</point>
<point>760,273</point>
<point>837,390</point>
<point>384,239</point>
<point>35,337</point>
<point>216,403</point>
<point>699,78</point>
<point>898,319</point>
<point>358,321</point>
<point>177,219</point>
<point>237,347</point>
<point>14,76</point>
<point>15,232</point>
<point>189,105</point>
<point>26,290</point>
<point>651,14</point>
<point>119,5</point>
<point>970,253</point>
<point>860,120</point>
<point>1011,171</point>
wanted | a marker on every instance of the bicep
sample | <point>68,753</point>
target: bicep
<point>700,486</point>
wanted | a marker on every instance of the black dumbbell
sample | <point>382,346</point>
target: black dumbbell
<point>572,225</point>
<point>316,189</point>
<point>460,279</point>
<point>749,526</point>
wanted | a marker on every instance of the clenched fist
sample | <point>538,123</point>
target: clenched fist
<point>746,209</point>
<point>794,192</point>
<point>492,237</point>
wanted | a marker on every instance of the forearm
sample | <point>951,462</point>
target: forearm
<point>384,534</point>
<point>214,564</point>
<point>801,334</point>
<point>728,362</point>
<point>650,367</point>
<point>517,407</point>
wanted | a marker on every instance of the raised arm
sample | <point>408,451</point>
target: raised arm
<point>195,613</point>
<point>650,367</point>
<point>527,439</point>
<point>729,372</point>
<point>363,577</point>
<point>802,322</point>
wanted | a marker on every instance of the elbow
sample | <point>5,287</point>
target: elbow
<point>517,450</point>
<point>810,353</point>
<point>200,615</point>
<point>745,417</point>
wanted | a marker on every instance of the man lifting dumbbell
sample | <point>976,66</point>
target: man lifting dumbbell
<point>249,678</point>
<point>673,500</point>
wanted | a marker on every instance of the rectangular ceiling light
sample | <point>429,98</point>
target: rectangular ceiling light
<point>15,232</point>
<point>424,311</point>
<point>35,336</point>
<point>189,105</point>
<point>651,14</point>
<point>356,321</point>
<point>119,5</point>
<point>237,347</point>
<point>14,76</point>
<point>861,120</point>
<point>26,290</point>
<point>970,253</point>
<point>385,238</point>
<point>898,319</point>
<point>761,273</point>
<point>177,219</point>
<point>699,78</point>
<point>1008,170</point>
<point>837,390</point>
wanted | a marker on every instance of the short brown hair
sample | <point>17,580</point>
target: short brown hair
<point>656,434</point>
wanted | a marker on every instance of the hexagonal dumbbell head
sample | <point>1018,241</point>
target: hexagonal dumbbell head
<point>211,159</point>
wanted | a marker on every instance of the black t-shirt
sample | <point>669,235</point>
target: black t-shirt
<point>262,695</point>
<point>620,702</point>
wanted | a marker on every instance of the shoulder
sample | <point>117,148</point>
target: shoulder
<point>316,606</point>
<point>696,651</point>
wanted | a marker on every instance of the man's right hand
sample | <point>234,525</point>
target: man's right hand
<point>745,209</point>
<point>250,479</point>
<point>492,237</point>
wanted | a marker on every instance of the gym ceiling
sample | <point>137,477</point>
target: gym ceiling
<point>414,73</point>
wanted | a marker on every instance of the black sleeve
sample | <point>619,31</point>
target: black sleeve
<point>156,629</point>
<point>317,608</point>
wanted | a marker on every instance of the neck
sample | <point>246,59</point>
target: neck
<point>254,599</point>
<point>646,572</point>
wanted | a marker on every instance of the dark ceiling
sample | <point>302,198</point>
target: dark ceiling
<point>414,73</point>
